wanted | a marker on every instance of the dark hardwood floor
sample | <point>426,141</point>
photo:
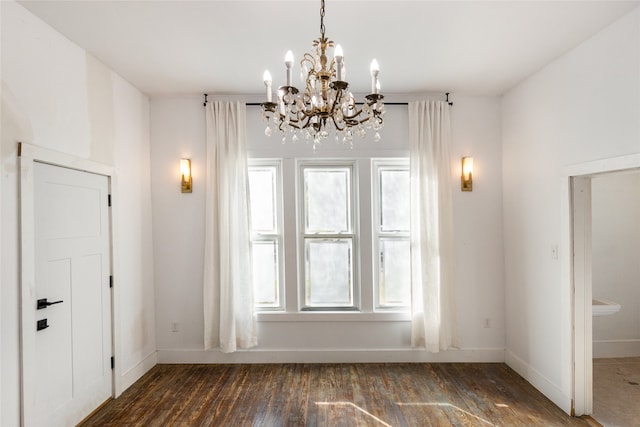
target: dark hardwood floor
<point>444,394</point>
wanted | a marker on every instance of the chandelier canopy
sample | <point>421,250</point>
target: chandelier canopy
<point>325,105</point>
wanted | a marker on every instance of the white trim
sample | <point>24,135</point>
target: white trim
<point>616,348</point>
<point>115,293</point>
<point>483,355</point>
<point>539,381</point>
<point>135,373</point>
<point>379,164</point>
<point>34,153</point>
<point>576,269</point>
<point>580,191</point>
<point>278,236</point>
<point>341,316</point>
<point>28,154</point>
<point>613,164</point>
<point>353,235</point>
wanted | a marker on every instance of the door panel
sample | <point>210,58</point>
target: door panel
<point>53,351</point>
<point>72,265</point>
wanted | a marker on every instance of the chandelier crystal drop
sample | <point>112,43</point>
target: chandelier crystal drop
<point>325,106</point>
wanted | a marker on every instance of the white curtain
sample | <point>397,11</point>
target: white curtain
<point>432,264</point>
<point>229,321</point>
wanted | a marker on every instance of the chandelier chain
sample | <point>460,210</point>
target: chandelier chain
<point>322,29</point>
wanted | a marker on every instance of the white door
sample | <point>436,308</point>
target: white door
<point>72,272</point>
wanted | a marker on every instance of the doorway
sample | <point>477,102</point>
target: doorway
<point>578,218</point>
<point>66,305</point>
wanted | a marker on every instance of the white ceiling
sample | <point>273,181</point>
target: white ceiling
<point>223,47</point>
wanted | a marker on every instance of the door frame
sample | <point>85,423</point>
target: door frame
<point>577,268</point>
<point>28,155</point>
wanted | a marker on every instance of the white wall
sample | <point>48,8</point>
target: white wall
<point>615,212</point>
<point>583,106</point>
<point>56,96</point>
<point>177,130</point>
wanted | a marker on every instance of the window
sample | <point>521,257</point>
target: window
<point>391,226</point>
<point>328,237</point>
<point>266,233</point>
<point>344,235</point>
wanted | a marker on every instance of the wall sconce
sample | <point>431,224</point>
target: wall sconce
<point>185,175</point>
<point>467,174</point>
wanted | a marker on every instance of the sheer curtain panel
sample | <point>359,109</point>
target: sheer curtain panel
<point>432,264</point>
<point>229,321</point>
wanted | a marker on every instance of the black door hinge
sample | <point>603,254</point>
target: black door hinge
<point>113,362</point>
<point>111,281</point>
<point>109,200</point>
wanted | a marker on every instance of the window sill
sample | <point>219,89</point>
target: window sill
<point>314,316</point>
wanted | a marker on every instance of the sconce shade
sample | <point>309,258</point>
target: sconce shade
<point>467,174</point>
<point>185,175</point>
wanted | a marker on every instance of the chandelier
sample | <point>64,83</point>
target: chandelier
<point>325,106</point>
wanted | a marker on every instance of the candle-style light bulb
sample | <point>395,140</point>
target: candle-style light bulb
<point>267,82</point>
<point>375,69</point>
<point>339,56</point>
<point>288,62</point>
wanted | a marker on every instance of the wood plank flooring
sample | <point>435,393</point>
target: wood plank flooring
<point>443,394</point>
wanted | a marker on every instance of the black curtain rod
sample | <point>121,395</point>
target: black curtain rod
<point>257,104</point>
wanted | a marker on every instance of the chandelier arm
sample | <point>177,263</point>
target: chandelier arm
<point>306,123</point>
<point>292,123</point>
<point>336,103</point>
<point>338,128</point>
<point>309,114</point>
<point>376,115</point>
<point>294,120</point>
<point>356,114</point>
<point>310,59</point>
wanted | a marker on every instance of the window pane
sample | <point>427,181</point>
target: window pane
<point>326,195</point>
<point>265,273</point>
<point>394,200</point>
<point>328,273</point>
<point>262,188</point>
<point>395,272</point>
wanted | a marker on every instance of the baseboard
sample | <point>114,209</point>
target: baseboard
<point>331,356</point>
<point>616,348</point>
<point>135,373</point>
<point>539,381</point>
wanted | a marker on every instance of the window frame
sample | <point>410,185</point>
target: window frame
<point>377,165</point>
<point>302,237</point>
<point>278,236</point>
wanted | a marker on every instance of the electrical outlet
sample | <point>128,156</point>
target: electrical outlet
<point>174,326</point>
<point>554,252</point>
<point>487,323</point>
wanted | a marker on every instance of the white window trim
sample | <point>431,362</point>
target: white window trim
<point>364,194</point>
<point>378,164</point>
<point>352,164</point>
<point>279,236</point>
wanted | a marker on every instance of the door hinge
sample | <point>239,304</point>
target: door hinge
<point>110,281</point>
<point>109,200</point>
<point>113,362</point>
